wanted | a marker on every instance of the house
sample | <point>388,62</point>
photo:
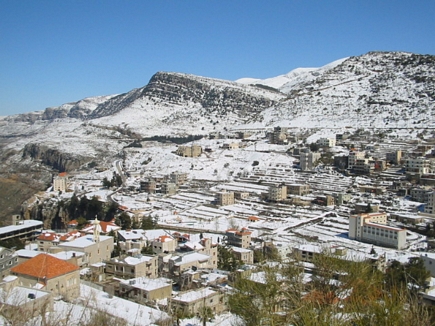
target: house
<point>132,266</point>
<point>176,264</point>
<point>49,273</point>
<point>144,289</point>
<point>191,302</point>
<point>163,243</point>
<point>298,189</point>
<point>46,240</point>
<point>105,227</point>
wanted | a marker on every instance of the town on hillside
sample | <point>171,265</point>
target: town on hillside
<point>164,235</point>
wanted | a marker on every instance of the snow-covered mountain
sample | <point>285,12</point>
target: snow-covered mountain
<point>378,89</point>
<point>375,90</point>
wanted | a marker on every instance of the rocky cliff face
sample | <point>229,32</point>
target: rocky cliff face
<point>54,158</point>
<point>181,89</point>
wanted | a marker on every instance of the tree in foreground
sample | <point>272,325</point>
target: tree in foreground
<point>338,292</point>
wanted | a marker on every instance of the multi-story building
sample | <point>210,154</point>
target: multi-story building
<point>146,290</point>
<point>96,249</point>
<point>278,136</point>
<point>181,262</point>
<point>178,178</point>
<point>353,157</point>
<point>277,192</point>
<point>421,194</point>
<point>241,239</point>
<point>372,228</point>
<point>189,151</point>
<point>298,189</point>
<point>149,186</point>
<point>52,274</point>
<point>419,165</point>
<point>430,206</point>
<point>8,259</point>
<point>23,230</point>
<point>308,160</point>
<point>244,255</point>
<point>163,244</point>
<point>127,267</point>
<point>326,142</point>
<point>60,182</point>
<point>224,198</point>
<point>394,157</point>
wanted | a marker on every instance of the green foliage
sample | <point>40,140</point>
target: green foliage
<point>340,293</point>
<point>226,259</point>
<point>148,223</point>
<point>124,221</point>
<point>81,222</point>
<point>12,243</point>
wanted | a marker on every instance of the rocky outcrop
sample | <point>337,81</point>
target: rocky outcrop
<point>54,158</point>
<point>181,89</point>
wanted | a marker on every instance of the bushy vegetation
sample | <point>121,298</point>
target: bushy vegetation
<point>338,292</point>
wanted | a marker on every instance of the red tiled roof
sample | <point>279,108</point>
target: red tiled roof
<point>62,174</point>
<point>73,223</point>
<point>44,265</point>
<point>48,236</point>
<point>70,236</point>
<point>253,218</point>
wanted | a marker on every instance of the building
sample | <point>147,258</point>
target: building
<point>95,249</point>
<point>353,157</point>
<point>60,182</point>
<point>51,274</point>
<point>419,165</point>
<point>149,186</point>
<point>24,230</point>
<point>224,198</point>
<point>241,239</point>
<point>372,228</point>
<point>189,151</point>
<point>178,178</point>
<point>145,290</point>
<point>46,240</point>
<point>193,301</point>
<point>242,254</point>
<point>308,160</point>
<point>278,136</point>
<point>163,244</point>
<point>298,189</point>
<point>168,188</point>
<point>326,142</point>
<point>394,157</point>
<point>8,259</point>
<point>277,192</point>
<point>176,264</point>
<point>128,267</point>
<point>20,304</point>
<point>430,207</point>
<point>421,194</point>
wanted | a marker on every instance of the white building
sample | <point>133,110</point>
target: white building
<point>372,228</point>
<point>420,165</point>
<point>60,182</point>
<point>353,157</point>
<point>308,160</point>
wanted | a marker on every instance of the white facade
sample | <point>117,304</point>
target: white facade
<point>307,160</point>
<point>60,183</point>
<point>353,157</point>
<point>372,228</point>
<point>420,165</point>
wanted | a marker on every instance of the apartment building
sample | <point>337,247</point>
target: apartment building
<point>277,192</point>
<point>60,182</point>
<point>372,228</point>
<point>224,198</point>
<point>308,160</point>
<point>241,239</point>
<point>163,244</point>
<point>394,157</point>
<point>189,151</point>
<point>326,142</point>
<point>298,189</point>
<point>353,157</point>
<point>242,254</point>
<point>419,165</point>
<point>23,230</point>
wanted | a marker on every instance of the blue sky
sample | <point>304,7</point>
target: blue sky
<point>54,52</point>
